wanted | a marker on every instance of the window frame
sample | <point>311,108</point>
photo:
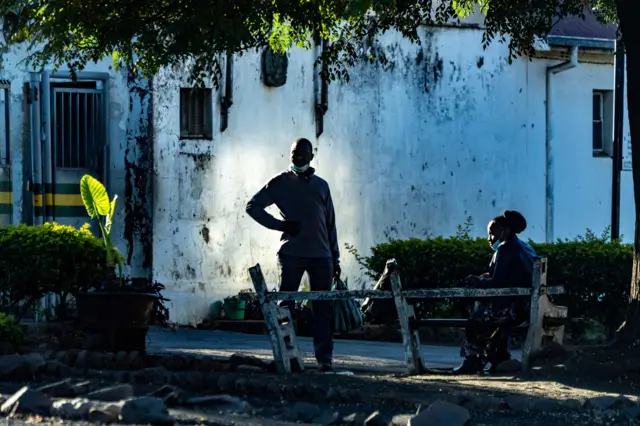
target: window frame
<point>602,149</point>
<point>195,102</point>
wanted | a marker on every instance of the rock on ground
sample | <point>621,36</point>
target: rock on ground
<point>401,419</point>
<point>304,412</point>
<point>376,419</point>
<point>229,400</point>
<point>27,401</point>
<point>13,367</point>
<point>34,362</point>
<point>517,402</point>
<point>146,410</point>
<point>441,413</point>
<point>75,409</point>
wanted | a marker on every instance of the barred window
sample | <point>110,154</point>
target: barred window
<point>195,113</point>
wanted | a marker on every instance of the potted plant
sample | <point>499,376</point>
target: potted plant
<point>120,312</point>
<point>234,307</point>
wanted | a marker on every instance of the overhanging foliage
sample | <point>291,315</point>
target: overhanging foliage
<point>150,34</point>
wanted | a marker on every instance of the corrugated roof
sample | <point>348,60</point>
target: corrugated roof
<point>589,27</point>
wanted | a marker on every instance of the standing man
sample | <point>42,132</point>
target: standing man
<point>309,241</point>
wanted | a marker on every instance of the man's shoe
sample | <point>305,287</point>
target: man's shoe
<point>325,367</point>
<point>493,363</point>
<point>469,366</point>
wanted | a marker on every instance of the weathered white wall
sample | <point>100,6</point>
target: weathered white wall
<point>444,131</point>
<point>627,202</point>
<point>582,181</point>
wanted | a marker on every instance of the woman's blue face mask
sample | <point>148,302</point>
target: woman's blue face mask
<point>495,235</point>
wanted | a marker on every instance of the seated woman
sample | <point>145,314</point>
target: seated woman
<point>486,340</point>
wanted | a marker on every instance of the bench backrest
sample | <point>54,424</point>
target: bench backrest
<point>539,276</point>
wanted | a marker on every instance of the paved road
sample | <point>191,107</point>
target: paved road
<point>348,353</point>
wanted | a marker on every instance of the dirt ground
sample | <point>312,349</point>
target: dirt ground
<point>560,390</point>
<point>556,388</point>
<point>555,393</point>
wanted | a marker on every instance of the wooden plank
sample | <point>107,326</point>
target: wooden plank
<point>410,338</point>
<point>281,333</point>
<point>534,334</point>
<point>442,293</point>
<point>454,323</point>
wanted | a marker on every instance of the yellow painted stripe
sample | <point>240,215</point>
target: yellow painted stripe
<point>37,200</point>
<point>6,198</point>
<point>60,200</point>
<point>69,200</point>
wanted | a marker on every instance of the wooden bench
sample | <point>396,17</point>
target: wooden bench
<point>546,319</point>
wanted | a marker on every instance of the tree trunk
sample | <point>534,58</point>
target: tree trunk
<point>629,16</point>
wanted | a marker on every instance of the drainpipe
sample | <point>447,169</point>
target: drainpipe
<point>617,141</point>
<point>48,160</point>
<point>555,69</point>
<point>37,183</point>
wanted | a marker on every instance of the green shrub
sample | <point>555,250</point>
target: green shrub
<point>49,258</point>
<point>595,271</point>
<point>11,332</point>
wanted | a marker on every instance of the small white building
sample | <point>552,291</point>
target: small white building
<point>443,131</point>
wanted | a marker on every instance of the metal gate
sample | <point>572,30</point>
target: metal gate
<point>6,187</point>
<point>68,139</point>
<point>77,139</point>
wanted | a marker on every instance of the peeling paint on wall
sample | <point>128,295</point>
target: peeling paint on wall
<point>138,228</point>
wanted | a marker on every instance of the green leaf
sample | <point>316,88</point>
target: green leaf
<point>112,209</point>
<point>94,196</point>
<point>116,59</point>
<point>357,8</point>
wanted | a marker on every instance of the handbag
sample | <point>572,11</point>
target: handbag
<point>347,315</point>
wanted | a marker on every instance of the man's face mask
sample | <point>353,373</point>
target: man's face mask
<point>299,169</point>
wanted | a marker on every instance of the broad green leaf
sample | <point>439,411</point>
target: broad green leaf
<point>94,196</point>
<point>112,209</point>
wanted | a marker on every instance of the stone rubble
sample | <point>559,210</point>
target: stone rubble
<point>109,414</point>
<point>193,382</point>
<point>75,409</point>
<point>441,413</point>
<point>145,410</point>
<point>517,402</point>
<point>217,400</point>
<point>27,401</point>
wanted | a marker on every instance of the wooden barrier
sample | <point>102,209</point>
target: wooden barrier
<point>283,339</point>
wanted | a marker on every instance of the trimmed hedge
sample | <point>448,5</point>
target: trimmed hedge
<point>595,272</point>
<point>50,258</point>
